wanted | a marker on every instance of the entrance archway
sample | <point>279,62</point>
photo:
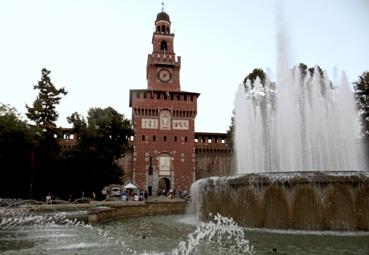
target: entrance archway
<point>164,184</point>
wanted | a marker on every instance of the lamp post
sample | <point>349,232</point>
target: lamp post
<point>150,176</point>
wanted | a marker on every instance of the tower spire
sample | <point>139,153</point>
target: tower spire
<point>162,6</point>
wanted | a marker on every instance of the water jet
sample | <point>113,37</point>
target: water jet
<point>300,161</point>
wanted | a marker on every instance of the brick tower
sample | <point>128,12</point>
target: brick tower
<point>163,118</point>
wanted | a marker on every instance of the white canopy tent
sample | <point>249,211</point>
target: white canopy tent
<point>130,186</point>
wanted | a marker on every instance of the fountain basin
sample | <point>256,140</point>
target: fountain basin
<point>292,200</point>
<point>103,211</point>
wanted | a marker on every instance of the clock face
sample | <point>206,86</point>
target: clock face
<point>164,75</point>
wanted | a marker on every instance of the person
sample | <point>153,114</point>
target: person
<point>135,197</point>
<point>70,198</point>
<point>93,196</point>
<point>170,194</point>
<point>186,195</point>
<point>146,195</point>
<point>48,198</point>
<point>180,193</point>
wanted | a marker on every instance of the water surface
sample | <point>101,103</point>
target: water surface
<point>162,235</point>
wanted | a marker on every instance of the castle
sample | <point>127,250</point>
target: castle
<point>166,152</point>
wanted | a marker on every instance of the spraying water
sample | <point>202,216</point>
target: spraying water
<point>303,123</point>
<point>53,233</point>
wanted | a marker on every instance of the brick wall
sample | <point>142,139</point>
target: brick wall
<point>214,155</point>
<point>155,140</point>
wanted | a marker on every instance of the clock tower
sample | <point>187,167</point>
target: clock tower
<point>162,71</point>
<point>163,118</point>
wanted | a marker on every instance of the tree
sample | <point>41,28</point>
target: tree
<point>46,148</point>
<point>101,139</point>
<point>110,130</point>
<point>361,87</point>
<point>16,143</point>
<point>257,72</point>
<point>304,69</point>
<point>230,133</point>
<point>78,121</point>
<point>43,111</point>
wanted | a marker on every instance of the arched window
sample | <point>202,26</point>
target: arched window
<point>163,45</point>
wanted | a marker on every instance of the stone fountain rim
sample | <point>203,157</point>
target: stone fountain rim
<point>294,177</point>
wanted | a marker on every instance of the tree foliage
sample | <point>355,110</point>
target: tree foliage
<point>361,87</point>
<point>304,69</point>
<point>78,121</point>
<point>110,128</point>
<point>43,111</point>
<point>251,77</point>
<point>16,141</point>
<point>102,138</point>
<point>46,148</point>
<point>230,133</point>
<point>33,162</point>
<point>256,73</point>
<point>105,130</point>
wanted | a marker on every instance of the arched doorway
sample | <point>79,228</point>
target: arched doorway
<point>164,185</point>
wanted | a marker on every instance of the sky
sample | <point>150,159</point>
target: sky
<point>97,49</point>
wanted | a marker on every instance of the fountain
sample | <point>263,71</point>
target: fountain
<point>300,161</point>
<point>23,231</point>
<point>308,124</point>
<point>299,156</point>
